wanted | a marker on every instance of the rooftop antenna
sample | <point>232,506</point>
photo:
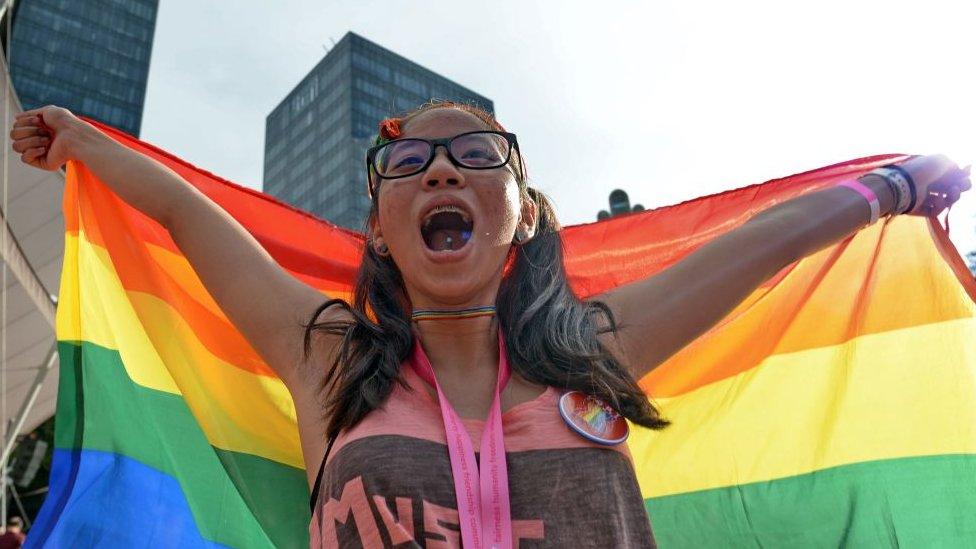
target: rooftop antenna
<point>327,48</point>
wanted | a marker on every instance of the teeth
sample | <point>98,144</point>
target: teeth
<point>448,208</point>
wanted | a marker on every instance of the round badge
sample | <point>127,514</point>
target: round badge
<point>593,419</point>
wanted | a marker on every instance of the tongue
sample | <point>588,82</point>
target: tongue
<point>446,239</point>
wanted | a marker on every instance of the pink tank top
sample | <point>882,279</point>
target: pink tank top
<point>387,481</point>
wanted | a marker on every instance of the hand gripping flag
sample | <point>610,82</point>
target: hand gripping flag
<point>835,406</point>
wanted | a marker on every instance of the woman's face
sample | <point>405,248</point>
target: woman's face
<point>426,219</point>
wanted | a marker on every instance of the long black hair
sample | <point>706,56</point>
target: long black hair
<point>550,334</point>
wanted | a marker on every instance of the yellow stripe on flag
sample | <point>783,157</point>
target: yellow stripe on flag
<point>238,410</point>
<point>885,400</point>
<point>869,285</point>
<point>105,316</point>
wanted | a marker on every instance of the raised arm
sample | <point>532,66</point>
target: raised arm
<point>259,297</point>
<point>661,314</point>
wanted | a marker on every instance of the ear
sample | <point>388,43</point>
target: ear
<point>379,245</point>
<point>529,218</point>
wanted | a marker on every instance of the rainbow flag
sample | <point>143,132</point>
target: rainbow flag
<point>835,406</point>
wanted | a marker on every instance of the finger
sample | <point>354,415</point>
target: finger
<point>961,183</point>
<point>964,181</point>
<point>953,195</point>
<point>36,141</point>
<point>16,132</point>
<point>32,122</point>
<point>27,131</point>
<point>27,121</point>
<point>958,173</point>
<point>30,112</point>
<point>937,205</point>
<point>32,154</point>
<point>931,204</point>
<point>952,178</point>
<point>22,145</point>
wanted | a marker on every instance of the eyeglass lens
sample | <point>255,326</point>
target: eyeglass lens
<point>474,150</point>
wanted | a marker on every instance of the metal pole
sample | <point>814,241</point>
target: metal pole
<point>25,408</point>
<point>6,7</point>
<point>23,514</point>
<point>3,299</point>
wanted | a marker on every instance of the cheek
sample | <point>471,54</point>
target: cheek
<point>500,211</point>
<point>393,221</point>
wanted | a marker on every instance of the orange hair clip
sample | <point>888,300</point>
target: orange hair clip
<point>390,128</point>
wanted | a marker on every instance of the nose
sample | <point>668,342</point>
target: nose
<point>442,172</point>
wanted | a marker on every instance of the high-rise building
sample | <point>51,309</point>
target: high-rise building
<point>316,138</point>
<point>90,57</point>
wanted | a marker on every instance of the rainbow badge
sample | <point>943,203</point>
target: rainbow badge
<point>593,419</point>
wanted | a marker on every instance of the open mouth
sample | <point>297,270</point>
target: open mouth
<point>446,228</point>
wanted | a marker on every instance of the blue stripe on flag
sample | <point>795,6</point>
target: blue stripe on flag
<point>112,501</point>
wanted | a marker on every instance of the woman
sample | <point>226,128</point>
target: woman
<point>392,392</point>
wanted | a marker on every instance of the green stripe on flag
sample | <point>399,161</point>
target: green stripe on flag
<point>927,501</point>
<point>237,499</point>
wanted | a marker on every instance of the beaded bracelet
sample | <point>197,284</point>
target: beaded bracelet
<point>911,185</point>
<point>900,187</point>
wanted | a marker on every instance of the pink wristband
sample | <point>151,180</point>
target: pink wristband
<point>868,195</point>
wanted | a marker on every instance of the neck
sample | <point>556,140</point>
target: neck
<point>460,346</point>
<point>421,315</point>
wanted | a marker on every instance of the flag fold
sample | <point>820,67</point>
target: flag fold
<point>835,406</point>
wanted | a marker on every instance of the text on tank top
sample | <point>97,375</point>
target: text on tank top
<point>387,481</point>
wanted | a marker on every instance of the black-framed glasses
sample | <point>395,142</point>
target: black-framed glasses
<point>478,150</point>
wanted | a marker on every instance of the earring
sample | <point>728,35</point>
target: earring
<point>520,236</point>
<point>382,249</point>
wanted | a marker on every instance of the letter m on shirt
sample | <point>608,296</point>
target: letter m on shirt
<point>353,502</point>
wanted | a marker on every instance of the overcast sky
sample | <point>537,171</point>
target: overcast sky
<point>666,99</point>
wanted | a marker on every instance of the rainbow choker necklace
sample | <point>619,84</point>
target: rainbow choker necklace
<point>451,314</point>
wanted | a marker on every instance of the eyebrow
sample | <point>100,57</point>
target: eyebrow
<point>404,136</point>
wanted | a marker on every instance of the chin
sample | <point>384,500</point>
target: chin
<point>456,289</point>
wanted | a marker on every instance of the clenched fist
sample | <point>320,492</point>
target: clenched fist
<point>44,136</point>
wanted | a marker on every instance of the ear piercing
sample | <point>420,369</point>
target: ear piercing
<point>520,236</point>
<point>382,249</point>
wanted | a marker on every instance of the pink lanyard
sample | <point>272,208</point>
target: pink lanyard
<point>483,503</point>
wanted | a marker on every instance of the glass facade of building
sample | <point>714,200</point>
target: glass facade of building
<point>91,57</point>
<point>316,138</point>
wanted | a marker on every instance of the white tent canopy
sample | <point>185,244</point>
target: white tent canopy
<point>31,244</point>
